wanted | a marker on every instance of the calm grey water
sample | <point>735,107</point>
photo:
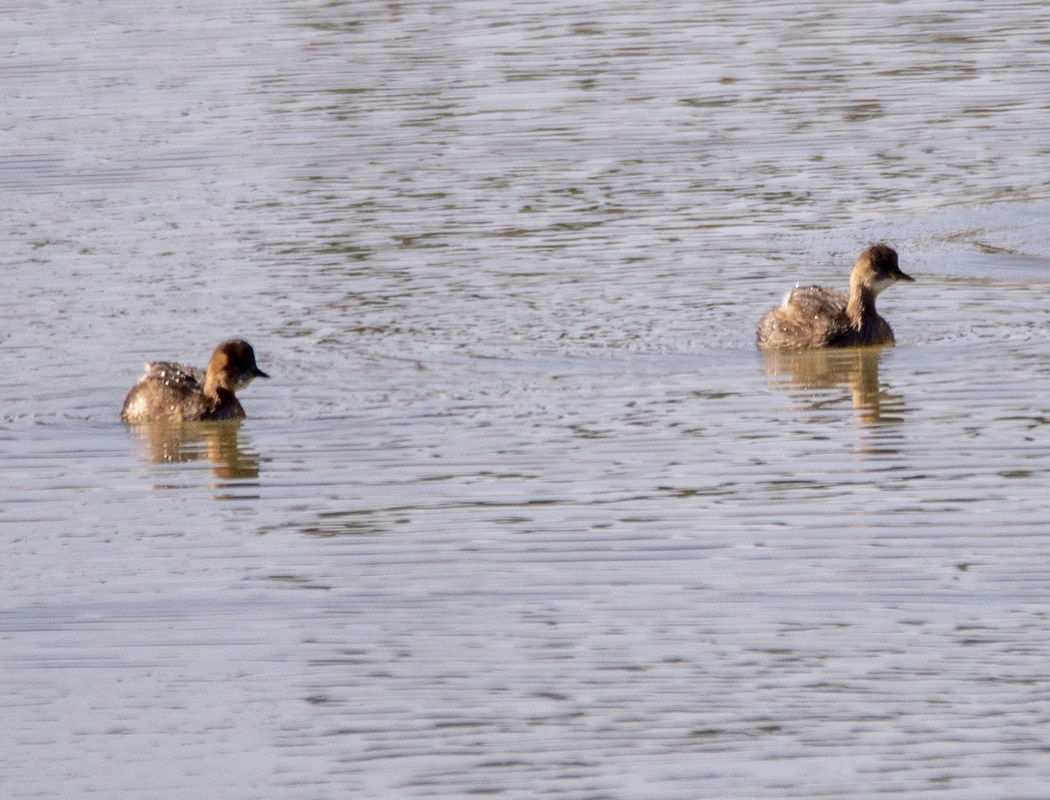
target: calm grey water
<point>521,511</point>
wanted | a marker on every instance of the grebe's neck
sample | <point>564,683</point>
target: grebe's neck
<point>861,303</point>
<point>213,386</point>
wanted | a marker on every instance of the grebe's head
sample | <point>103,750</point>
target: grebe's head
<point>232,365</point>
<point>876,269</point>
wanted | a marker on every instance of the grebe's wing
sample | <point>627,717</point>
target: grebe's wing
<point>177,376</point>
<point>816,301</point>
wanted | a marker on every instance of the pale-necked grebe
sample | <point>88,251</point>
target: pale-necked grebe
<point>176,392</point>
<point>815,316</point>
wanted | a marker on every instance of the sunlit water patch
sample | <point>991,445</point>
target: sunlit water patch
<point>522,510</point>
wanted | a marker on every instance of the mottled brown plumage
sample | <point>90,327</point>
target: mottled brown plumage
<point>176,392</point>
<point>815,316</point>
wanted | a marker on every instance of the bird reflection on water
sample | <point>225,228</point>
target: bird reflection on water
<point>805,372</point>
<point>218,443</point>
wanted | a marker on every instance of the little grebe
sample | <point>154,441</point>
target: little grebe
<point>815,316</point>
<point>176,392</point>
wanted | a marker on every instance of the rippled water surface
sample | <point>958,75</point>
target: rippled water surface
<point>521,511</point>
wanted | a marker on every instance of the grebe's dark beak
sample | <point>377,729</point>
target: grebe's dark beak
<point>902,277</point>
<point>258,373</point>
